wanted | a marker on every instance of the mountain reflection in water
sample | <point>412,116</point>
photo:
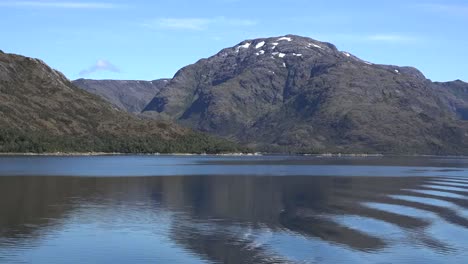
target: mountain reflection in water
<point>239,219</point>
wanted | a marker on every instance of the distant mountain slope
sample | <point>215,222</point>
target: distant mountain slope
<point>456,94</point>
<point>41,110</point>
<point>293,93</point>
<point>131,96</point>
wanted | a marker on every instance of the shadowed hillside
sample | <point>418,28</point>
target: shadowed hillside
<point>42,111</point>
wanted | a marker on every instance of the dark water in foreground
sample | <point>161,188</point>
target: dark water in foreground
<point>142,209</point>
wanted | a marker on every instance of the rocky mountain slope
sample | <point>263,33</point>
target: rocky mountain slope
<point>297,94</point>
<point>41,110</point>
<point>131,96</point>
<point>456,96</point>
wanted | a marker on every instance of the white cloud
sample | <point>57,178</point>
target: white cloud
<point>396,38</point>
<point>391,38</point>
<point>100,65</point>
<point>235,22</point>
<point>453,9</point>
<point>60,4</point>
<point>197,23</point>
<point>180,23</point>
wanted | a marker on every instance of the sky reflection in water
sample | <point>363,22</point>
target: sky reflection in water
<point>419,215</point>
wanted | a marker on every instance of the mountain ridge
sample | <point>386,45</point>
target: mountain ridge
<point>129,95</point>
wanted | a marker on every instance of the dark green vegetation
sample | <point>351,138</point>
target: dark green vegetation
<point>40,142</point>
<point>42,111</point>
<point>296,94</point>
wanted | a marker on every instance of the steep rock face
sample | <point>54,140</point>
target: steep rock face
<point>41,110</point>
<point>456,95</point>
<point>293,93</point>
<point>131,96</point>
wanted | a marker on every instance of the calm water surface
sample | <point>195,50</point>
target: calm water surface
<point>202,209</point>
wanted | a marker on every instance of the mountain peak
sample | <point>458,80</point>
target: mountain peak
<point>281,46</point>
<point>289,39</point>
<point>16,62</point>
<point>281,52</point>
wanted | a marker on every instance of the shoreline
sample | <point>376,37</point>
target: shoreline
<point>255,154</point>
<point>66,154</point>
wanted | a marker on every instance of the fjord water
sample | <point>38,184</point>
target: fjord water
<point>205,209</point>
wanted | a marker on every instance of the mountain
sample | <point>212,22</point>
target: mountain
<point>42,111</point>
<point>131,96</point>
<point>297,94</point>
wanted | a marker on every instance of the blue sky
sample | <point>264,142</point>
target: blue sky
<point>147,40</point>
